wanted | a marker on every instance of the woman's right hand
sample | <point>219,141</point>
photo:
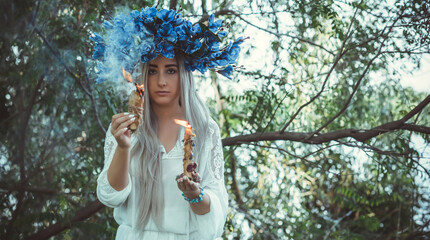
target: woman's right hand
<point>119,129</point>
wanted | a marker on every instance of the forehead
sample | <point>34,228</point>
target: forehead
<point>163,61</point>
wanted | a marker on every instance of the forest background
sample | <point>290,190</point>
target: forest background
<point>321,139</point>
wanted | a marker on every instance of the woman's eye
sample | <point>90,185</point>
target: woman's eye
<point>152,71</point>
<point>171,71</point>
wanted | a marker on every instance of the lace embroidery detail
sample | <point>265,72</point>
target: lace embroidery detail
<point>110,146</point>
<point>217,158</point>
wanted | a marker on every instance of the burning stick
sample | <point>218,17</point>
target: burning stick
<point>189,165</point>
<point>135,100</point>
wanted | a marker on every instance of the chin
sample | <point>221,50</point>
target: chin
<point>166,103</point>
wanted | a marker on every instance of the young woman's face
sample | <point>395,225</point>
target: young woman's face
<point>163,81</point>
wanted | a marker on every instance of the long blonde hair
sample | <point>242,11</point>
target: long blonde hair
<point>151,200</point>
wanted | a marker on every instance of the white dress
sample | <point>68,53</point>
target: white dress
<point>179,221</point>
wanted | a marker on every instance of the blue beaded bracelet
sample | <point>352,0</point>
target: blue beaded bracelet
<point>197,199</point>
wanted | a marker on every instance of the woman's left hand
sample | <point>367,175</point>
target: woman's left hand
<point>190,188</point>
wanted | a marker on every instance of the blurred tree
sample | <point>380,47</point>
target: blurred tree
<point>320,143</point>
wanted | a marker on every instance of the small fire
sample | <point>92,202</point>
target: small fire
<point>128,78</point>
<point>140,89</point>
<point>182,123</point>
<point>127,75</point>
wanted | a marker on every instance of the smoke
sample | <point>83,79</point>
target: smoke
<point>119,46</point>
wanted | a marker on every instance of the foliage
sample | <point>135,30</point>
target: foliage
<point>314,69</point>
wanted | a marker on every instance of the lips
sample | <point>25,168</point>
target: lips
<point>162,93</point>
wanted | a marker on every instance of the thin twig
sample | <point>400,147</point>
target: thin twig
<point>340,54</point>
<point>355,87</point>
<point>230,12</point>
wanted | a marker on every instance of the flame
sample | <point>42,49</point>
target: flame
<point>139,89</point>
<point>127,75</point>
<point>182,123</point>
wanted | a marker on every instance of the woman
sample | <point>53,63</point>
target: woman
<point>139,176</point>
<point>138,179</point>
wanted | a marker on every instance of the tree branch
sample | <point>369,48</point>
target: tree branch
<point>80,215</point>
<point>360,135</point>
<point>21,150</point>
<point>173,4</point>
<point>417,128</point>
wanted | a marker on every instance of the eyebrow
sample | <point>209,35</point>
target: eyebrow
<point>167,66</point>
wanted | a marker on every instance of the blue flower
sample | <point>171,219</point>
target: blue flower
<point>120,20</point>
<point>196,64</point>
<point>124,42</point>
<point>213,26</point>
<point>210,38</point>
<point>166,15</point>
<point>222,34</point>
<point>148,57</point>
<point>99,47</point>
<point>135,14</point>
<point>197,30</point>
<point>178,19</point>
<point>183,31</point>
<point>166,32</point>
<point>99,50</point>
<point>193,46</point>
<point>167,50</point>
<point>149,12</point>
<point>107,25</point>
<point>235,49</point>
<point>149,21</point>
<point>147,51</point>
<point>226,71</point>
<point>146,48</point>
<point>95,37</point>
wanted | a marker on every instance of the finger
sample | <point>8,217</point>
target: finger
<point>187,184</point>
<point>127,132</point>
<point>124,118</point>
<point>120,120</point>
<point>196,177</point>
<point>118,115</point>
<point>127,122</point>
<point>120,132</point>
<point>115,124</point>
<point>194,186</point>
<point>179,176</point>
<point>180,183</point>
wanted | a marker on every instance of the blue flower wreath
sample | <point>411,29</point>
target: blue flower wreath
<point>150,33</point>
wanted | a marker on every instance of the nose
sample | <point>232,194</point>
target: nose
<point>161,81</point>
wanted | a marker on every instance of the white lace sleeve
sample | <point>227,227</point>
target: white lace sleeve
<point>105,192</point>
<point>211,225</point>
<point>217,158</point>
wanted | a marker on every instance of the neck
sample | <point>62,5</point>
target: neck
<point>168,113</point>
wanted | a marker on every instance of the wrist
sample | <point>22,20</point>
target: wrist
<point>123,149</point>
<point>193,194</point>
<point>194,198</point>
